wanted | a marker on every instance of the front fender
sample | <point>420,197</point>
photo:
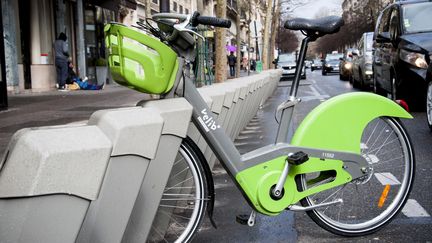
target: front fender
<point>338,123</point>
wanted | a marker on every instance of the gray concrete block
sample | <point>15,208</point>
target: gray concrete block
<point>70,160</point>
<point>132,130</point>
<point>176,114</point>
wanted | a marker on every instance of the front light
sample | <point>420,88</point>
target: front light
<point>327,65</point>
<point>368,72</point>
<point>348,65</point>
<point>414,58</point>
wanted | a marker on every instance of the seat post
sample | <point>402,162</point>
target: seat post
<point>300,63</point>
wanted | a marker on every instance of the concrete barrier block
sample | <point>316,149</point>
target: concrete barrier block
<point>217,95</point>
<point>134,130</point>
<point>176,114</point>
<point>70,160</point>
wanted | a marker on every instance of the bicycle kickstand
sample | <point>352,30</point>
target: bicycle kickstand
<point>245,219</point>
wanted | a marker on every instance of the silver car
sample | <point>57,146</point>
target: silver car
<point>362,74</point>
<point>288,62</point>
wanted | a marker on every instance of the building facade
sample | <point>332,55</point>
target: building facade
<point>31,28</point>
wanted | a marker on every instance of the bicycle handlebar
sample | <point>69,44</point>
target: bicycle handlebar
<point>207,20</point>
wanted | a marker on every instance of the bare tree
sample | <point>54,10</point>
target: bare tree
<point>238,38</point>
<point>220,53</point>
<point>266,39</point>
<point>357,21</point>
<point>287,40</point>
<point>275,26</point>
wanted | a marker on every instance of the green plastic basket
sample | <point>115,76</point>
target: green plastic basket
<point>139,61</point>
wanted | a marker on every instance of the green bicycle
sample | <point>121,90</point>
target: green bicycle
<point>332,168</point>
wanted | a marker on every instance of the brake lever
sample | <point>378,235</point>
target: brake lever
<point>182,27</point>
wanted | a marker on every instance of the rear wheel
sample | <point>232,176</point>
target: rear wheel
<point>184,200</point>
<point>374,200</point>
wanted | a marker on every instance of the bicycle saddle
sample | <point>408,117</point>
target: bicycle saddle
<point>325,25</point>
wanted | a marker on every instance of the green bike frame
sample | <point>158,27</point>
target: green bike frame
<point>330,135</point>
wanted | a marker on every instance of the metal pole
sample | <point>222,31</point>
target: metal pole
<point>164,6</point>
<point>81,55</point>
<point>256,43</point>
<point>3,83</point>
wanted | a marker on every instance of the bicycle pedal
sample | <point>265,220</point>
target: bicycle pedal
<point>297,158</point>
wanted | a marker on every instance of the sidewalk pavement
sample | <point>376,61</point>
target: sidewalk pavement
<point>59,108</point>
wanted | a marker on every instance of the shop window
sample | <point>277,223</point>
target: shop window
<point>175,7</point>
<point>95,19</point>
<point>181,9</point>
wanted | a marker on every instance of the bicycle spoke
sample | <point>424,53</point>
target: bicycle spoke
<point>188,179</point>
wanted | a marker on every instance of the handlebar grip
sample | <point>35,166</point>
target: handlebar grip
<point>213,21</point>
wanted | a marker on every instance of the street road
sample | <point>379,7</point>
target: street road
<point>414,224</point>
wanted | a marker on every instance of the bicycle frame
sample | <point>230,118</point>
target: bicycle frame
<point>263,175</point>
<point>273,155</point>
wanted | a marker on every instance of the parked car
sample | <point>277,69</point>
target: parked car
<point>345,65</point>
<point>429,97</point>
<point>316,64</point>
<point>403,49</point>
<point>288,62</point>
<point>331,63</point>
<point>307,64</point>
<point>362,65</point>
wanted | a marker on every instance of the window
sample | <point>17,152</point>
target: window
<point>360,46</point>
<point>384,21</point>
<point>415,17</point>
<point>394,24</point>
<point>175,7</point>
<point>186,11</point>
<point>181,9</point>
<point>155,1</point>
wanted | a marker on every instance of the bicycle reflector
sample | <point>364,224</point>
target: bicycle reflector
<point>384,195</point>
<point>139,61</point>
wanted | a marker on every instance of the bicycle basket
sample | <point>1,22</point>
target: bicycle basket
<point>139,61</point>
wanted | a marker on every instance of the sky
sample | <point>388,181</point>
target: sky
<point>319,7</point>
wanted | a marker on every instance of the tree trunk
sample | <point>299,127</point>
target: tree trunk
<point>275,28</point>
<point>220,37</point>
<point>238,39</point>
<point>249,22</point>
<point>267,26</point>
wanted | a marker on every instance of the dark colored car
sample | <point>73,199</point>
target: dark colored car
<point>362,65</point>
<point>288,62</point>
<point>316,64</point>
<point>403,49</point>
<point>429,97</point>
<point>345,65</point>
<point>331,63</point>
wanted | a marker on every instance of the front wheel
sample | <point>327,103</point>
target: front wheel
<point>184,200</point>
<point>374,200</point>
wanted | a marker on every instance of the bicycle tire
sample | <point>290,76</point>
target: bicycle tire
<point>360,213</point>
<point>184,200</point>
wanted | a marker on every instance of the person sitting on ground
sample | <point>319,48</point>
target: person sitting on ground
<point>78,83</point>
